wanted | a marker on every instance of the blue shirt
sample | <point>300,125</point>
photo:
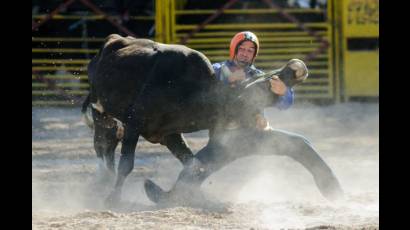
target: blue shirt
<point>284,101</point>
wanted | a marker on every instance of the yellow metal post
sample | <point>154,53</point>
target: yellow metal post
<point>334,21</point>
<point>167,6</point>
<point>360,53</point>
<point>158,21</point>
<point>330,61</point>
<point>173,21</point>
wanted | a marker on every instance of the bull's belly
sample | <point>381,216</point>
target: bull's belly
<point>157,134</point>
<point>186,118</point>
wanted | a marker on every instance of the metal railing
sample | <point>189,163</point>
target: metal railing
<point>281,34</point>
<point>59,64</point>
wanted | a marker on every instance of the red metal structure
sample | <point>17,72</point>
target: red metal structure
<point>90,5</point>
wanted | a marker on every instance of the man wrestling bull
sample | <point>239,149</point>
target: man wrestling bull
<point>238,138</point>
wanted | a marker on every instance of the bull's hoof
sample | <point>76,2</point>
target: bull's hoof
<point>113,199</point>
<point>154,193</point>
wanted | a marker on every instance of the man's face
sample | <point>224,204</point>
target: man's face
<point>245,53</point>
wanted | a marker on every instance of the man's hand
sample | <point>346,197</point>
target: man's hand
<point>277,86</point>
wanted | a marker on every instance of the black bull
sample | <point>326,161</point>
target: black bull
<point>142,88</point>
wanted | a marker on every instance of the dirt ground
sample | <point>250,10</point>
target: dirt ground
<point>256,192</point>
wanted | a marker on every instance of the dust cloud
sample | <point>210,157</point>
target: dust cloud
<point>257,192</point>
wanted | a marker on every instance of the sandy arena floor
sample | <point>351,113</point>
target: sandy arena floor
<point>257,192</point>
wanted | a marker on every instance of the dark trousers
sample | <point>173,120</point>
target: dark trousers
<point>229,145</point>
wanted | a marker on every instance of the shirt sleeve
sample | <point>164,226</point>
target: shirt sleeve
<point>217,69</point>
<point>286,100</point>
<point>218,72</point>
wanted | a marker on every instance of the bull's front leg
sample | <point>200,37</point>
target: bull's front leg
<point>179,148</point>
<point>126,163</point>
<point>105,142</point>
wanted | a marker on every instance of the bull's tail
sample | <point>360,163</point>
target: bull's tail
<point>86,108</point>
<point>86,112</point>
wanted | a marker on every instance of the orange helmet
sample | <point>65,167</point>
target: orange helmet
<point>239,38</point>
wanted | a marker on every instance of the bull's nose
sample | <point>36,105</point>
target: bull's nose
<point>299,67</point>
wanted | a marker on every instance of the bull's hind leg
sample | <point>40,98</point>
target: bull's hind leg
<point>179,148</point>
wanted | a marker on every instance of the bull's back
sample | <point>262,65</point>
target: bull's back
<point>165,80</point>
<point>178,92</point>
<point>119,72</point>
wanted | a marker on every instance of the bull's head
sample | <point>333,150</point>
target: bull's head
<point>293,73</point>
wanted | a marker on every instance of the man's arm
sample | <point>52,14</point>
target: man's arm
<point>285,93</point>
<point>217,68</point>
<point>218,72</point>
<point>286,100</point>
